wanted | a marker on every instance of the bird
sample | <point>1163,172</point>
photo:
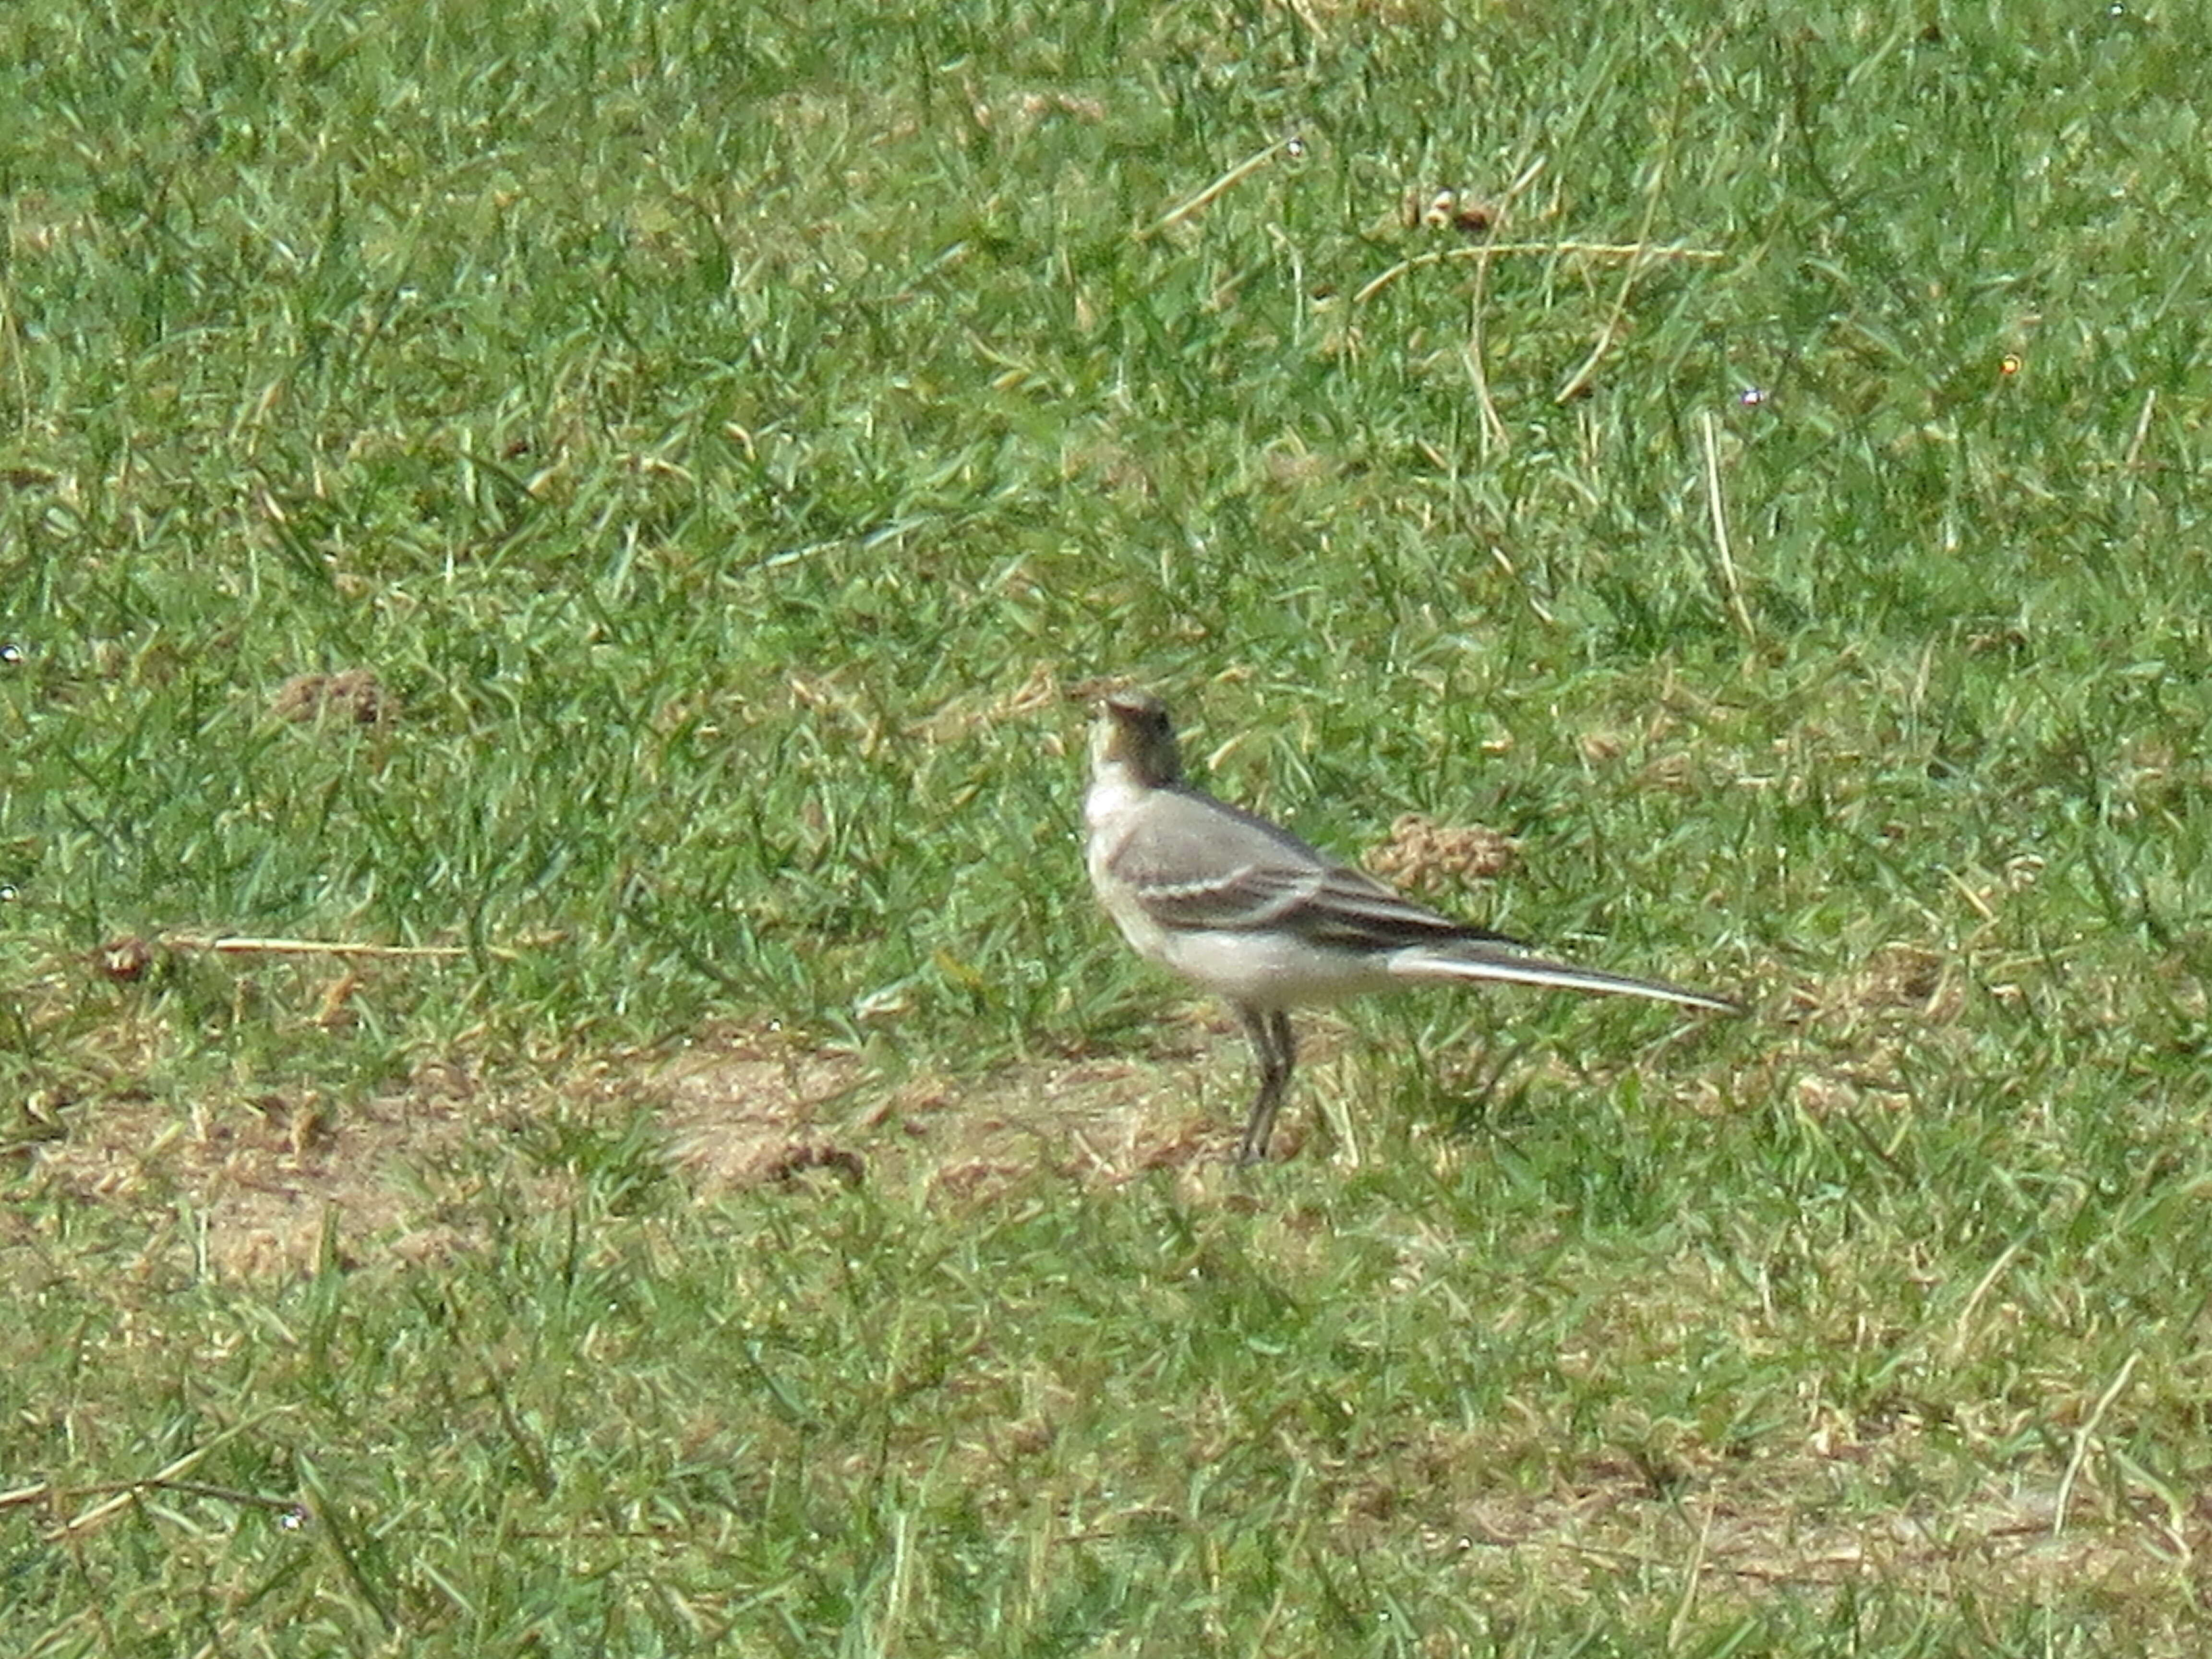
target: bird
<point>1245,911</point>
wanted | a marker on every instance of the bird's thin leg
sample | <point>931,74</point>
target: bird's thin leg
<point>1275,1051</point>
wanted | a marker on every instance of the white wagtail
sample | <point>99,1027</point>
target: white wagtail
<point>1248,911</point>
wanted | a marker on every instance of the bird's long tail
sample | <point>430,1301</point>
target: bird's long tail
<point>1487,962</point>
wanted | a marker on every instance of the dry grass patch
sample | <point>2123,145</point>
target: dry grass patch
<point>252,1185</point>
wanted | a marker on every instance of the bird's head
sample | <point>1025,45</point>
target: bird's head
<point>1133,732</point>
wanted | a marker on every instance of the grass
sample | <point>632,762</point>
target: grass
<point>773,1213</point>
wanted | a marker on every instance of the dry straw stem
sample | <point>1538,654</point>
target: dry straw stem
<point>232,945</point>
<point>127,1492</point>
<point>2142,428</point>
<point>1717,505</point>
<point>46,1493</point>
<point>2085,1439</point>
<point>1235,175</point>
<point>1578,382</point>
<point>1493,422</point>
<point>1680,1622</point>
<point>1638,251</point>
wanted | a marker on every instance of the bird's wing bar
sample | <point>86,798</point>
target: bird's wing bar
<point>1347,909</point>
<point>1196,864</point>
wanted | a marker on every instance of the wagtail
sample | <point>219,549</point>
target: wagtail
<point>1246,910</point>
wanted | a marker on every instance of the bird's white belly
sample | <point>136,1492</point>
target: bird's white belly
<point>1255,967</point>
<point>1266,970</point>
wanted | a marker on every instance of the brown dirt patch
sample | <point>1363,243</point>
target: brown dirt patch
<point>354,696</point>
<point>260,1183</point>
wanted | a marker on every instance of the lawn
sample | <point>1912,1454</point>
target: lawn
<point>565,1092</point>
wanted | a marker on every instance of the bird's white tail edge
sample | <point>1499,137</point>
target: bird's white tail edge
<point>1557,976</point>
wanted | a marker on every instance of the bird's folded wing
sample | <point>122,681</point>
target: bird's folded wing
<point>1192,863</point>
